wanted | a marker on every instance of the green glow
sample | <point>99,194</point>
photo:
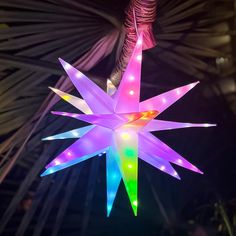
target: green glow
<point>135,203</point>
<point>128,163</point>
<point>129,152</point>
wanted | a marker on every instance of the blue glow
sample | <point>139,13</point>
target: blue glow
<point>75,133</point>
<point>113,178</point>
<point>56,168</point>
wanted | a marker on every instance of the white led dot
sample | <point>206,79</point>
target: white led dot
<point>75,133</point>
<point>57,162</point>
<point>131,92</point>
<point>131,77</point>
<point>178,92</point>
<point>130,166</point>
<point>135,203</point>
<point>139,42</point>
<point>78,74</point>
<point>67,66</point>
<point>49,138</point>
<point>139,57</point>
<point>162,167</point>
<point>69,153</point>
<point>163,100</point>
<point>179,161</point>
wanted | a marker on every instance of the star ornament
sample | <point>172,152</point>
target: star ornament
<point>121,126</point>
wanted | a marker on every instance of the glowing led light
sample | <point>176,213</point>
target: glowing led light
<point>139,57</point>
<point>207,125</point>
<point>139,42</point>
<point>179,161</point>
<point>78,75</point>
<point>125,135</point>
<point>114,176</point>
<point>135,203</point>
<point>75,133</point>
<point>57,162</point>
<point>49,138</point>
<point>163,168</point>
<point>163,100</point>
<point>120,124</point>
<point>65,97</point>
<point>131,92</point>
<point>131,78</point>
<point>67,66</point>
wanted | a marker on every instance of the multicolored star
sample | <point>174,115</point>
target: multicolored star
<point>120,126</point>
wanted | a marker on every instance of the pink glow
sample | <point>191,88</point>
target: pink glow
<point>121,127</point>
<point>131,78</point>
<point>165,100</point>
<point>124,102</point>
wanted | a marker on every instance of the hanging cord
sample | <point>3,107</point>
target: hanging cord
<point>140,15</point>
<point>135,23</point>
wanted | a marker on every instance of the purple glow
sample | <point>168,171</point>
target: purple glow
<point>152,145</point>
<point>89,91</point>
<point>121,127</point>
<point>157,125</point>
<point>165,100</point>
<point>91,142</point>
<point>159,163</point>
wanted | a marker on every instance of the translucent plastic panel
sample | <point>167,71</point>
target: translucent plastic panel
<point>111,121</point>
<point>74,101</point>
<point>164,100</point>
<point>89,144</point>
<point>159,163</point>
<point>98,100</point>
<point>128,93</point>
<point>69,163</point>
<point>152,145</point>
<point>157,125</point>
<point>75,133</point>
<point>126,144</point>
<point>113,177</point>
